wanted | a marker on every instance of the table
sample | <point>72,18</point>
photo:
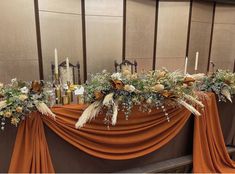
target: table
<point>67,158</point>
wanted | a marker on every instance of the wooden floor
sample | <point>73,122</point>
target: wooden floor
<point>181,165</point>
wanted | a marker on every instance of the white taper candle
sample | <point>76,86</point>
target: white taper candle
<point>196,61</point>
<point>185,65</point>
<point>56,62</point>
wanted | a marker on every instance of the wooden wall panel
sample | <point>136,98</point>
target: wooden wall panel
<point>172,34</point>
<point>18,45</point>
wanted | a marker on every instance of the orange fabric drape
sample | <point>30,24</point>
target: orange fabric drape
<point>31,153</point>
<point>142,134</point>
<point>209,150</point>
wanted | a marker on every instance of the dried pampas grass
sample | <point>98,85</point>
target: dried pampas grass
<point>43,109</point>
<point>115,113</point>
<point>225,92</point>
<point>189,107</point>
<point>89,114</point>
<point>193,100</point>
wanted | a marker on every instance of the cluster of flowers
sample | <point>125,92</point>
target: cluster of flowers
<point>222,83</point>
<point>148,90</point>
<point>19,98</point>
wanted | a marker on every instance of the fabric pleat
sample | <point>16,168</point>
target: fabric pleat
<point>141,134</point>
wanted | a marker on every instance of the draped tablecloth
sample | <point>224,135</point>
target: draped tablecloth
<point>142,134</point>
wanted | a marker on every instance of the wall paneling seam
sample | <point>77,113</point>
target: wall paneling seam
<point>124,31</point>
<point>84,39</point>
<point>155,35</point>
<point>189,28</point>
<point>39,44</point>
<point>211,36</point>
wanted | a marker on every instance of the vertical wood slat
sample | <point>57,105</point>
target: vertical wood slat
<point>84,39</point>
<point>39,44</point>
<point>189,28</point>
<point>211,37</point>
<point>155,35</point>
<point>124,31</point>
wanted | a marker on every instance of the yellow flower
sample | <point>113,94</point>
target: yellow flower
<point>19,109</point>
<point>15,121</point>
<point>7,114</point>
<point>23,97</point>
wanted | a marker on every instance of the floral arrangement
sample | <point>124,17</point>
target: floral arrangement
<point>222,83</point>
<point>19,98</point>
<point>121,91</point>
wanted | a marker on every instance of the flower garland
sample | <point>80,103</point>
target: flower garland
<point>121,91</point>
<point>19,98</point>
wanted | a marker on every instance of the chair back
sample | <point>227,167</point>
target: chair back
<point>74,70</point>
<point>126,65</point>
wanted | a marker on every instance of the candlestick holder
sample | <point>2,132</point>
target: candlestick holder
<point>65,100</point>
<point>80,99</point>
<point>69,92</point>
<point>57,89</point>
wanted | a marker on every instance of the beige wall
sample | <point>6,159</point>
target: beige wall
<point>200,34</point>
<point>104,20</point>
<point>140,23</point>
<point>61,28</point>
<point>223,45</point>
<point>18,45</point>
<point>172,34</point>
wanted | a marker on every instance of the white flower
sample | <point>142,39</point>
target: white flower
<point>13,80</point>
<point>129,88</point>
<point>24,90</point>
<point>104,71</point>
<point>116,76</point>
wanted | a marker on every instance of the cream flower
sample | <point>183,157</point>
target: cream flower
<point>7,114</point>
<point>19,109</point>
<point>3,104</point>
<point>129,88</point>
<point>1,85</point>
<point>15,121</point>
<point>158,87</point>
<point>23,97</point>
<point>126,72</point>
<point>24,90</point>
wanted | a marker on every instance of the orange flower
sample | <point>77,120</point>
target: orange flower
<point>98,95</point>
<point>189,81</point>
<point>36,87</point>
<point>167,94</point>
<point>117,84</point>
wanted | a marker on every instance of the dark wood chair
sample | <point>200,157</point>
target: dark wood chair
<point>126,63</point>
<point>74,72</point>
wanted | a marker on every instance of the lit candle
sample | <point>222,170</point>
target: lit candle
<point>67,68</point>
<point>196,61</point>
<point>56,62</point>
<point>185,66</point>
